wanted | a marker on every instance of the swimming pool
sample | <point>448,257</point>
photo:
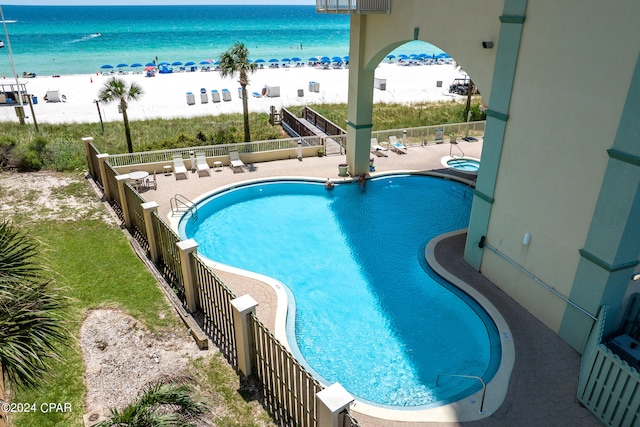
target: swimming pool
<point>369,312</point>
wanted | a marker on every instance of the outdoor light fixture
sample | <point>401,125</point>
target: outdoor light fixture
<point>487,45</point>
<point>527,239</point>
<point>635,277</point>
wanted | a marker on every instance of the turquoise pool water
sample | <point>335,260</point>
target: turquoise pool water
<point>369,312</point>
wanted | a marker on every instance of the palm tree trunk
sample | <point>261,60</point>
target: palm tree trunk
<point>127,131</point>
<point>245,112</point>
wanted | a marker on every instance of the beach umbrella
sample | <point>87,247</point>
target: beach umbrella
<point>285,60</point>
<point>274,60</point>
<point>325,59</point>
<point>189,64</point>
<point>390,56</point>
<point>164,63</point>
<point>204,63</point>
<point>336,59</point>
<point>259,60</point>
<point>107,66</point>
<point>176,63</point>
<point>149,64</point>
<point>313,59</point>
<point>137,64</point>
<point>403,56</point>
<point>122,65</point>
<point>346,57</point>
<point>296,59</point>
<point>149,67</point>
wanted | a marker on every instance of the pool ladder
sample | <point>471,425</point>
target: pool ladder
<point>180,203</point>
<point>473,377</point>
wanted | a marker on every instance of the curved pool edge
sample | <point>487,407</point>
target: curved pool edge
<point>465,409</point>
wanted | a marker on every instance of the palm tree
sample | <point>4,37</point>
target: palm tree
<point>236,60</point>
<point>30,323</point>
<point>116,89</point>
<point>161,403</point>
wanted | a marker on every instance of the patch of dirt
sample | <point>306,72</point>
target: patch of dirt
<point>33,196</point>
<point>121,357</point>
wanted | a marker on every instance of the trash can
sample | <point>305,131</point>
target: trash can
<point>314,87</point>
<point>300,93</point>
<point>35,99</point>
<point>190,98</point>
<point>203,96</point>
<point>342,169</point>
<point>438,83</point>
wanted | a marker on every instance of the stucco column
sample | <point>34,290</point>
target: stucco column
<point>185,248</point>
<point>511,26</point>
<point>242,307</point>
<point>86,141</point>
<point>101,174</point>
<point>610,253</point>
<point>360,105</point>
<point>147,211</point>
<point>121,180</point>
<point>330,402</point>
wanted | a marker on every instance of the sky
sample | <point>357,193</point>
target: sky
<point>147,2</point>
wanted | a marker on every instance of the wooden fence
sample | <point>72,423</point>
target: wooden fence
<point>608,386</point>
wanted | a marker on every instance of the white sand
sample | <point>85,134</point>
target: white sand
<point>165,94</point>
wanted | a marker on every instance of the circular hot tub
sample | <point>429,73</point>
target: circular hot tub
<point>467,165</point>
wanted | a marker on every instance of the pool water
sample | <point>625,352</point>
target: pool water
<point>369,312</point>
<point>463,164</point>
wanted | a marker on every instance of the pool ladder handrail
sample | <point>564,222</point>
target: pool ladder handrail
<point>473,377</point>
<point>178,201</point>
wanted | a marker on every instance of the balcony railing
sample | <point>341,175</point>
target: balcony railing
<point>353,6</point>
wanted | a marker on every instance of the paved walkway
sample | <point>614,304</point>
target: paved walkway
<point>543,385</point>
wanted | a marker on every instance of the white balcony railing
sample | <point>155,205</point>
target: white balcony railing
<point>353,6</point>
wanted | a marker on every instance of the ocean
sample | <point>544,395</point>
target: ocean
<point>57,40</point>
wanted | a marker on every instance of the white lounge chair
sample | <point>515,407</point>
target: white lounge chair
<point>53,96</point>
<point>179,167</point>
<point>396,145</point>
<point>378,149</point>
<point>235,161</point>
<point>202,165</point>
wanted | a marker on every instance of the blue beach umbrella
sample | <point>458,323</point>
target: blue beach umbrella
<point>164,63</point>
<point>149,64</point>
<point>259,60</point>
<point>122,65</point>
<point>325,59</point>
<point>346,57</point>
<point>176,63</point>
<point>390,56</point>
<point>403,56</point>
<point>205,62</point>
<point>313,58</point>
<point>107,66</point>
<point>137,64</point>
<point>189,64</point>
<point>285,60</point>
<point>296,59</point>
<point>274,60</point>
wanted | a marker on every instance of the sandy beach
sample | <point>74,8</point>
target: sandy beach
<point>165,95</point>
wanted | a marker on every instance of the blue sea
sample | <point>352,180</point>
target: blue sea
<point>50,40</point>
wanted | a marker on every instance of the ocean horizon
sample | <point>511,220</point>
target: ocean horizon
<point>61,40</point>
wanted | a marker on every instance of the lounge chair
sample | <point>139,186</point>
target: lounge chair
<point>202,165</point>
<point>235,161</point>
<point>215,96</point>
<point>226,95</point>
<point>53,96</point>
<point>179,168</point>
<point>396,145</point>
<point>378,149</point>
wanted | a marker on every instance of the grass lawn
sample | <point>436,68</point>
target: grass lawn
<point>94,265</point>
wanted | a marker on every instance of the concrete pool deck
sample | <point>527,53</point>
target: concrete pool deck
<point>543,384</point>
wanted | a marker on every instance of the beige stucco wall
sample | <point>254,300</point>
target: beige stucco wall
<point>574,68</point>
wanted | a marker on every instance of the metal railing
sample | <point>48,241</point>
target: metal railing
<point>321,122</point>
<point>353,6</point>
<point>473,377</point>
<point>180,204</point>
